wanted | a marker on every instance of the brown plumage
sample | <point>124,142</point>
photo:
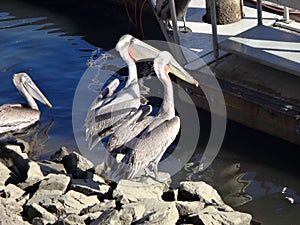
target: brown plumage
<point>15,117</point>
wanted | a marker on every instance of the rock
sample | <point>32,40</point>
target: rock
<point>35,210</point>
<point>34,173</point>
<point>110,217</point>
<point>8,141</point>
<point>52,186</point>
<point>70,219</point>
<point>13,158</point>
<point>11,205</point>
<point>195,191</point>
<point>11,219</point>
<point>57,182</point>
<point>48,167</point>
<point>4,175</point>
<point>59,155</point>
<point>70,203</point>
<point>100,207</point>
<point>74,162</point>
<point>170,195</point>
<point>39,221</point>
<point>159,212</point>
<point>17,149</point>
<point>13,192</point>
<point>90,217</point>
<point>96,178</point>
<point>52,202</point>
<point>90,187</point>
<point>163,177</point>
<point>24,170</point>
<point>78,201</point>
<point>212,216</point>
<point>135,210</point>
<point>188,208</point>
<point>133,190</point>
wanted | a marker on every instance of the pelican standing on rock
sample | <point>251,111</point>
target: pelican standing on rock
<point>181,6</point>
<point>15,117</point>
<point>148,148</point>
<point>110,106</point>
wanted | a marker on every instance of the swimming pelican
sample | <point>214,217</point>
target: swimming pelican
<point>163,11</point>
<point>111,106</point>
<point>150,146</point>
<point>15,117</point>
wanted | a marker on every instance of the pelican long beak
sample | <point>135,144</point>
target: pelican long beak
<point>181,73</point>
<point>137,49</point>
<point>35,92</point>
<point>142,51</point>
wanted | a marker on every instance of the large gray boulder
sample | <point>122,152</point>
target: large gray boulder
<point>35,210</point>
<point>111,217</point>
<point>23,169</point>
<point>159,212</point>
<point>199,191</point>
<point>48,167</point>
<point>134,190</point>
<point>76,164</point>
<point>90,187</point>
<point>52,186</point>
<point>12,201</point>
<point>212,216</point>
<point>100,207</point>
<point>186,208</point>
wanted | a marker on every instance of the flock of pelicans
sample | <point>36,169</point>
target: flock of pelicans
<point>117,115</point>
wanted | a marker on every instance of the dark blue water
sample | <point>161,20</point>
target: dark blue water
<point>54,60</point>
<point>53,42</point>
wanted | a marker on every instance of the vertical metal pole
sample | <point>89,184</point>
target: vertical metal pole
<point>213,18</point>
<point>174,21</point>
<point>259,12</point>
<point>286,14</point>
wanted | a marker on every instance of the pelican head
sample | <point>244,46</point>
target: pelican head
<point>131,47</point>
<point>28,88</point>
<point>166,62</point>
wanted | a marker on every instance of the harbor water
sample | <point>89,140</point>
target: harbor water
<point>54,42</point>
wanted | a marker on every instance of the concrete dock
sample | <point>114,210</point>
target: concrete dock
<point>261,90</point>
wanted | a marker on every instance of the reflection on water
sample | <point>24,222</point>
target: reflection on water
<point>253,172</point>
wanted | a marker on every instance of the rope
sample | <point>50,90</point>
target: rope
<point>127,11</point>
<point>141,18</point>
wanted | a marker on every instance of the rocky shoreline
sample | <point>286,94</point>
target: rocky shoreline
<point>68,190</point>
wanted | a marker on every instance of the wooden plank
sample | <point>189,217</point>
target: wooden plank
<point>269,46</point>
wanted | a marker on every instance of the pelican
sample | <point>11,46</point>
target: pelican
<point>149,147</point>
<point>111,106</point>
<point>163,11</point>
<point>15,117</point>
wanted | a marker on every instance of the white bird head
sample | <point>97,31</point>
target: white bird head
<point>131,48</point>
<point>165,63</point>
<point>25,85</point>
